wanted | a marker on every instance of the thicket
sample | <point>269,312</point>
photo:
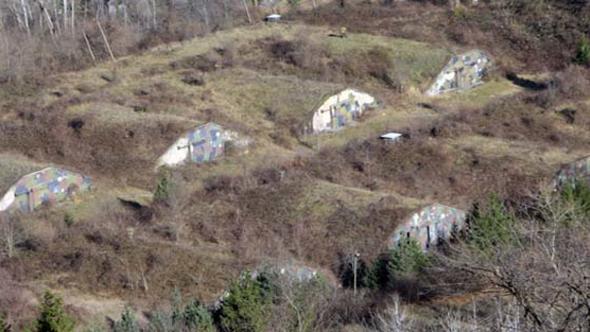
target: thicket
<point>537,253</point>
<point>192,316</point>
<point>534,250</point>
<point>248,305</point>
<point>38,38</point>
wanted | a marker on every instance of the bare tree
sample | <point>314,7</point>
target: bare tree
<point>25,13</point>
<point>395,318</point>
<point>546,273</point>
<point>12,234</point>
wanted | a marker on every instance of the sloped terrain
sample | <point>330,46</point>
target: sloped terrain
<point>285,195</point>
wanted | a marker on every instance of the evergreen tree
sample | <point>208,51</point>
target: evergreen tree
<point>197,318</point>
<point>406,259</point>
<point>246,307</point>
<point>491,226</point>
<point>192,317</point>
<point>53,317</point>
<point>127,323</point>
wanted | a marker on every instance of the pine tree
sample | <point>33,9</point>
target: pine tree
<point>53,318</point>
<point>128,322</point>
<point>491,226</point>
<point>246,307</point>
<point>406,259</point>
<point>197,317</point>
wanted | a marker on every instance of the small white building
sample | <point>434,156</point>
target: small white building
<point>391,137</point>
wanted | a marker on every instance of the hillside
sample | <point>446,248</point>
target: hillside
<point>278,193</point>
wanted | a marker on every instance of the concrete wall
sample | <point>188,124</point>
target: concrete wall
<point>429,225</point>
<point>463,72</point>
<point>202,144</point>
<point>341,109</point>
<point>578,170</point>
<point>176,155</point>
<point>49,185</point>
<point>7,200</point>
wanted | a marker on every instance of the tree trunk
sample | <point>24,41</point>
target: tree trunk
<point>73,19</point>
<point>205,13</point>
<point>65,15</point>
<point>225,11</point>
<point>247,11</point>
<point>89,48</point>
<point>1,20</point>
<point>106,41</point>
<point>25,17</point>
<point>154,14</point>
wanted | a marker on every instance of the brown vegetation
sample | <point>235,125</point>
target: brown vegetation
<point>309,59</point>
<point>288,201</point>
<point>534,33</point>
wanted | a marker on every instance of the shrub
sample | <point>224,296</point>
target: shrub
<point>571,83</point>
<point>491,226</point>
<point>300,305</point>
<point>4,326</point>
<point>127,323</point>
<point>405,260</point>
<point>69,219</point>
<point>53,318</point>
<point>161,322</point>
<point>577,194</point>
<point>246,309</point>
<point>380,65</point>
<point>193,317</point>
<point>583,52</point>
<point>460,13</point>
<point>163,189</point>
<point>197,318</point>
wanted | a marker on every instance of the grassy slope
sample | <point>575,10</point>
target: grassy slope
<point>311,218</point>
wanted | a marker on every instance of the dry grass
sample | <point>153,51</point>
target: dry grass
<point>13,167</point>
<point>312,199</point>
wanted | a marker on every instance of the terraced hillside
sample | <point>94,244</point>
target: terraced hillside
<point>285,195</point>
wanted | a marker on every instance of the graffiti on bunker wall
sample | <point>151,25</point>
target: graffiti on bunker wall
<point>292,271</point>
<point>578,170</point>
<point>45,187</point>
<point>200,145</point>
<point>463,72</point>
<point>430,225</point>
<point>340,110</point>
